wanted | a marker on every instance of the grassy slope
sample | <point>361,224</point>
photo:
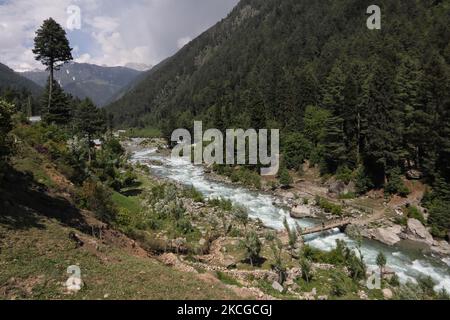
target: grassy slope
<point>34,262</point>
<point>35,250</point>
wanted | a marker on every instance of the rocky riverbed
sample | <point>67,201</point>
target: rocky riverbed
<point>272,207</point>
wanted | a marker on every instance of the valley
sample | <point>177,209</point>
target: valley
<point>125,181</point>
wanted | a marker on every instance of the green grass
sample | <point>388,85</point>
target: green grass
<point>132,204</point>
<point>33,164</point>
<point>33,265</point>
<point>226,279</point>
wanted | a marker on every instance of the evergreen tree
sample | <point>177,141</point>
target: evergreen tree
<point>59,111</point>
<point>333,91</point>
<point>335,151</point>
<point>285,178</point>
<point>408,102</point>
<point>381,263</point>
<point>89,122</point>
<point>381,133</point>
<point>6,112</point>
<point>52,49</point>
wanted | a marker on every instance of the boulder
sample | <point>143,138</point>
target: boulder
<point>277,286</point>
<point>362,295</point>
<point>442,248</point>
<point>337,188</point>
<point>416,231</point>
<point>387,293</point>
<point>299,212</point>
<point>414,174</point>
<point>229,262</point>
<point>288,195</point>
<point>389,236</point>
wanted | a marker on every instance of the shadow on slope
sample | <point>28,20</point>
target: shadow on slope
<point>23,202</point>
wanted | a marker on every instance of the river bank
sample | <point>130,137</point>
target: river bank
<point>408,262</point>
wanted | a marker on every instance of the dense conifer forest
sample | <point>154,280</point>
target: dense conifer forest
<point>371,102</point>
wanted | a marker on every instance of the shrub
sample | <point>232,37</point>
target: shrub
<point>295,149</point>
<point>285,178</point>
<point>439,217</point>
<point>395,184</point>
<point>306,268</point>
<point>443,295</point>
<point>222,203</point>
<point>329,207</point>
<point>394,281</point>
<point>363,183</point>
<point>427,285</point>
<point>241,215</point>
<point>414,213</point>
<point>344,174</point>
<point>252,246</point>
<point>97,198</point>
<point>185,226</point>
<point>194,194</point>
<point>409,291</point>
<point>348,195</point>
<point>338,285</point>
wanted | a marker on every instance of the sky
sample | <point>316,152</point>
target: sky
<point>107,32</point>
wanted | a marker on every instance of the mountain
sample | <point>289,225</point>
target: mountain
<point>344,96</point>
<point>13,80</point>
<point>263,46</point>
<point>83,80</point>
<point>138,66</point>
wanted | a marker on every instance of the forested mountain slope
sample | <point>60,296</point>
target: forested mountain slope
<point>14,81</point>
<point>345,96</point>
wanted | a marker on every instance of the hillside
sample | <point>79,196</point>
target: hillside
<point>13,80</point>
<point>264,47</point>
<point>43,232</point>
<point>83,80</point>
<point>369,105</point>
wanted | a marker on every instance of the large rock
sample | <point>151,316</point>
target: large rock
<point>389,236</point>
<point>277,286</point>
<point>387,294</point>
<point>337,188</point>
<point>299,212</point>
<point>417,232</point>
<point>441,248</point>
<point>414,175</point>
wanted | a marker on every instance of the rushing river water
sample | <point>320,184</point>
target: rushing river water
<point>406,262</point>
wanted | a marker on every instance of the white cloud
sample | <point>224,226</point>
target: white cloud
<point>183,41</point>
<point>113,32</point>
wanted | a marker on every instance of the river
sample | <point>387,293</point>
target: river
<point>408,263</point>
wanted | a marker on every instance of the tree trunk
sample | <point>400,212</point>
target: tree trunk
<point>50,87</point>
<point>358,151</point>
<point>89,150</point>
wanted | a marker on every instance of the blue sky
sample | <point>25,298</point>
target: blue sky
<point>113,32</point>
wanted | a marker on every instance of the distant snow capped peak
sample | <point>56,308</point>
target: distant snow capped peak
<point>138,66</point>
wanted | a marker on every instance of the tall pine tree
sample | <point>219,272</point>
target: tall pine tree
<point>52,48</point>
